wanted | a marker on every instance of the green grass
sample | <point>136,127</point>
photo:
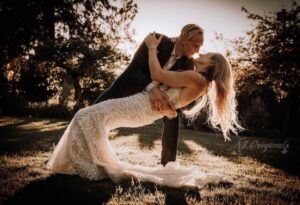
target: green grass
<point>252,176</point>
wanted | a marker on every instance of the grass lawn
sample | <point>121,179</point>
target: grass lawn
<point>253,175</point>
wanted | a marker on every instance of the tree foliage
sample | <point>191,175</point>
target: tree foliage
<point>269,56</point>
<point>56,38</point>
<point>267,64</point>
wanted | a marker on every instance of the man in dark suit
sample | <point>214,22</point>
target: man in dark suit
<point>173,54</point>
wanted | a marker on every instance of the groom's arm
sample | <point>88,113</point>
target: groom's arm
<point>139,66</point>
<point>189,64</point>
<point>159,96</point>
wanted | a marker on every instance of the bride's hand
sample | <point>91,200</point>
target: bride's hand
<point>151,40</point>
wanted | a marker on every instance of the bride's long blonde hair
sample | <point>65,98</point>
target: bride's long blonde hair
<point>219,99</point>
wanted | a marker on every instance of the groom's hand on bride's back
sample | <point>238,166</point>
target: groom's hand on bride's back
<point>160,101</point>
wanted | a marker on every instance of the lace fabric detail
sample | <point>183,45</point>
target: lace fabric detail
<point>85,150</point>
<point>173,94</point>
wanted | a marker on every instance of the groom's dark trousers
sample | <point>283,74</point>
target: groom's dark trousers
<point>135,79</point>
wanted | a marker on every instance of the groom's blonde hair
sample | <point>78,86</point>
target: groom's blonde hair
<point>190,30</point>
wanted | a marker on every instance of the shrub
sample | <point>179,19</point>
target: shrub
<point>50,111</point>
<point>256,116</point>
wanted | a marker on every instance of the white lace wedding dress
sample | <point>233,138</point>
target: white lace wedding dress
<point>84,148</point>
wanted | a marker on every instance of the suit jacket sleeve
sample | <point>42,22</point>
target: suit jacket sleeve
<point>139,76</point>
<point>139,66</point>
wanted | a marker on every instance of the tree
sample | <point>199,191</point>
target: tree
<point>78,38</point>
<point>269,58</point>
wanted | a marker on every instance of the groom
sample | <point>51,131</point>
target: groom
<point>173,54</point>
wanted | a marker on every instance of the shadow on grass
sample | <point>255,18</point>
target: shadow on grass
<point>58,189</point>
<point>265,150</point>
<point>21,137</point>
<point>16,138</point>
<point>215,144</point>
<point>147,135</point>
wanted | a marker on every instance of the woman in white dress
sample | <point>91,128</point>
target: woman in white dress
<point>85,150</point>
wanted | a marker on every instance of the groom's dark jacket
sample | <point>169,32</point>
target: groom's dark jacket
<point>137,75</point>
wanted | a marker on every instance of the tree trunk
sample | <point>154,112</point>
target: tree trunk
<point>66,90</point>
<point>289,120</point>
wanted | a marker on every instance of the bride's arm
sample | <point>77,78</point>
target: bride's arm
<point>170,78</point>
<point>173,78</point>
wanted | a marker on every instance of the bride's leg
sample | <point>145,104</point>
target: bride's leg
<point>92,121</point>
<point>79,154</point>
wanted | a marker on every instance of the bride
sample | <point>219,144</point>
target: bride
<point>85,150</point>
